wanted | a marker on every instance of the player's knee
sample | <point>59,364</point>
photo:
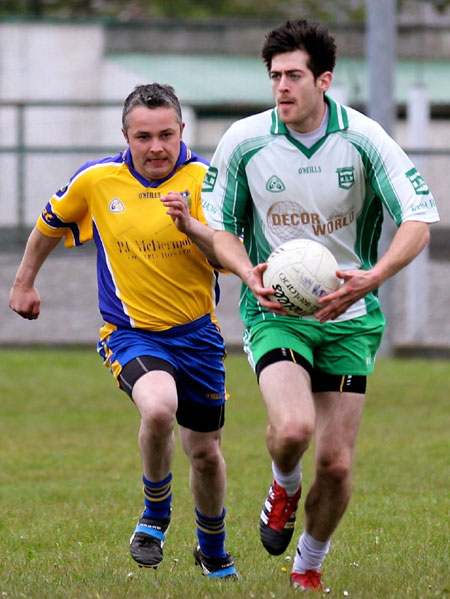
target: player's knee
<point>292,436</point>
<point>206,459</point>
<point>336,470</point>
<point>158,420</point>
<point>299,435</point>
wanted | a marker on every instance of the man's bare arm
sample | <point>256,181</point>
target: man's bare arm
<point>231,253</point>
<point>409,240</point>
<point>24,297</point>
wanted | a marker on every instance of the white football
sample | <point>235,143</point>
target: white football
<point>301,271</point>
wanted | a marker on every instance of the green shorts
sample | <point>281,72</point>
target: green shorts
<point>347,347</point>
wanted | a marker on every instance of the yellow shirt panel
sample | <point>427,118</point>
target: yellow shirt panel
<point>150,275</point>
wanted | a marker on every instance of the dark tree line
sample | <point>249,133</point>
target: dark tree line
<point>326,10</point>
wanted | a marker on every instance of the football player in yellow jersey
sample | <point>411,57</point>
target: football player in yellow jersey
<point>157,294</point>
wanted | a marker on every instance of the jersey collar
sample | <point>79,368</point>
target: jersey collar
<point>184,157</point>
<point>338,119</point>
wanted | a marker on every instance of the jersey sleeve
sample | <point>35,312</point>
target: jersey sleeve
<point>225,191</point>
<point>195,189</point>
<point>397,182</point>
<point>68,214</point>
<point>196,210</point>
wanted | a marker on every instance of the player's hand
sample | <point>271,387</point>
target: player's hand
<point>255,283</point>
<point>357,284</point>
<point>178,209</point>
<point>25,301</point>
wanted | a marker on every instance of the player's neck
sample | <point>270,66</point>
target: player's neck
<point>309,138</point>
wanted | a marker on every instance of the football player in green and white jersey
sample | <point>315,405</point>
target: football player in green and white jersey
<point>314,169</point>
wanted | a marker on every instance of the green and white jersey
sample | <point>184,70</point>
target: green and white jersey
<point>267,186</point>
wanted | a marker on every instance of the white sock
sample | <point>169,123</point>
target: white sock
<point>290,481</point>
<point>310,553</point>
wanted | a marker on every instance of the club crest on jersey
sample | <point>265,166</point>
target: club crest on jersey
<point>116,206</point>
<point>417,181</point>
<point>275,184</point>
<point>346,176</point>
<point>209,182</point>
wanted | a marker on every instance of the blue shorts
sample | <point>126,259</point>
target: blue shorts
<point>192,353</point>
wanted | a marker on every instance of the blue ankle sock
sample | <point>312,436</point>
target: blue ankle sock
<point>157,497</point>
<point>211,534</point>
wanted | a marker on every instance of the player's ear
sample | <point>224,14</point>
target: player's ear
<point>125,134</point>
<point>324,81</point>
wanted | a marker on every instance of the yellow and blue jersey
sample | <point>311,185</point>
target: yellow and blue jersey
<point>150,275</point>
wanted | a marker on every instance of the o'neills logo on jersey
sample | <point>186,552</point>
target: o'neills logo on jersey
<point>275,184</point>
<point>309,170</point>
<point>288,220</point>
<point>116,206</point>
<point>149,195</point>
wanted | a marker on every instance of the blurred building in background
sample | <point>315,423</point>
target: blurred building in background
<point>61,89</point>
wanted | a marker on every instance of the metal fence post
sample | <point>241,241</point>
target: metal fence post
<point>21,166</point>
<point>381,52</point>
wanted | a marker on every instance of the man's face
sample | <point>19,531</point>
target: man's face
<point>299,97</point>
<point>154,136</point>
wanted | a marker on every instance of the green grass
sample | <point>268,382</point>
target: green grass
<point>70,490</point>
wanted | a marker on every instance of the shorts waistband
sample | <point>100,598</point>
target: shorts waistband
<point>177,330</point>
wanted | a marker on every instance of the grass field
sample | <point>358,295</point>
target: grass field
<point>71,493</point>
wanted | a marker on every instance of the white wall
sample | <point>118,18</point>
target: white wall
<point>45,62</point>
<point>42,62</point>
<point>58,63</point>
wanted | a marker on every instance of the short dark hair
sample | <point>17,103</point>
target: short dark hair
<point>300,34</point>
<point>152,95</point>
